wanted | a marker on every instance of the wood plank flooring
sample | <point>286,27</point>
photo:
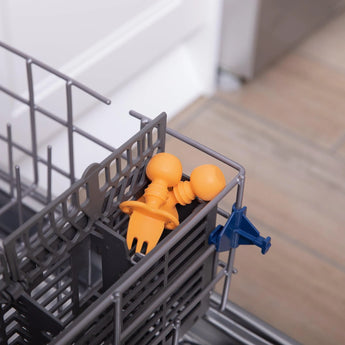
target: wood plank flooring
<point>287,128</point>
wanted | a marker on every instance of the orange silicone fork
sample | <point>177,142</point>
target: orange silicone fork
<point>147,219</point>
<point>156,209</point>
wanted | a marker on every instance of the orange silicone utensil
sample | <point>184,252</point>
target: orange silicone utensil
<point>147,219</point>
<point>156,210</point>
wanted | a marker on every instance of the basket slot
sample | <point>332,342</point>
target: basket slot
<point>191,314</point>
<point>187,254</point>
<point>180,295</point>
<point>182,313</point>
<point>61,302</point>
<point>156,271</point>
<point>194,252</point>
<point>153,325</point>
<point>60,290</point>
<point>119,223</point>
<point>143,298</point>
<point>66,315</point>
<point>163,339</point>
<point>100,330</point>
<point>40,290</point>
<point>104,337</point>
<point>175,250</point>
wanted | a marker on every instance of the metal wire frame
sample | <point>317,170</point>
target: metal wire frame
<point>18,190</point>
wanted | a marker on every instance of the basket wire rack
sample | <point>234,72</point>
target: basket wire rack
<point>66,275</point>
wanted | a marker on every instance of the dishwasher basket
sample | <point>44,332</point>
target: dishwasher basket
<point>67,276</point>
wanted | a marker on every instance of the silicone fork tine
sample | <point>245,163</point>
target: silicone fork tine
<point>129,239</point>
<point>139,246</point>
<point>145,229</point>
<point>150,246</point>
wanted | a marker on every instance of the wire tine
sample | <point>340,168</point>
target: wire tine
<point>19,196</point>
<point>10,158</point>
<point>32,118</point>
<point>240,189</point>
<point>177,327</point>
<point>117,318</point>
<point>49,174</point>
<point>55,72</point>
<point>227,282</point>
<point>70,129</point>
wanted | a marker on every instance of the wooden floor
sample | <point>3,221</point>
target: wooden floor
<point>288,130</point>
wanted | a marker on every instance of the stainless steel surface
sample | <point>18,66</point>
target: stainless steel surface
<point>233,326</point>
<point>257,32</point>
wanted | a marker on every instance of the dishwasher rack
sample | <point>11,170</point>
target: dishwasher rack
<point>66,275</point>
